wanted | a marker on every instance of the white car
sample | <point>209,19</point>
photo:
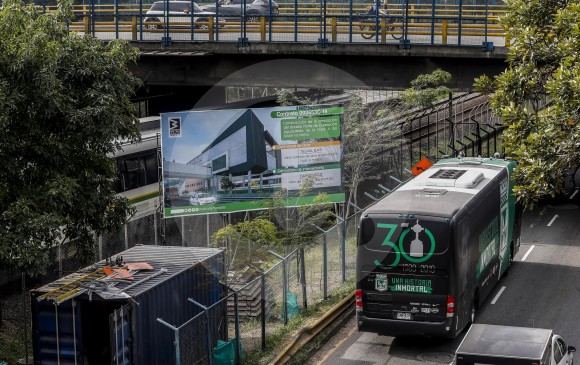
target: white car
<point>181,14</point>
<point>201,199</point>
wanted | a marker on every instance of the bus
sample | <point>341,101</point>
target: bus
<point>430,252</point>
<point>139,173</point>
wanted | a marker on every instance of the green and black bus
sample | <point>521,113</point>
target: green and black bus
<point>432,250</point>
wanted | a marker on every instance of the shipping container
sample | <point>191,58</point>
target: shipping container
<point>85,319</point>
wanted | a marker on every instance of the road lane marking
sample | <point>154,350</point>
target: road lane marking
<point>527,253</point>
<point>574,194</point>
<point>553,219</point>
<point>336,347</point>
<point>497,295</point>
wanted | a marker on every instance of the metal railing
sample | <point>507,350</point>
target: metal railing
<point>323,23</point>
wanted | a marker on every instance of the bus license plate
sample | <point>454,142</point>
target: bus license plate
<point>404,315</point>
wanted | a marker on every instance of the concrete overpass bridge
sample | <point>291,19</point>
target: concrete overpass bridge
<point>331,46</point>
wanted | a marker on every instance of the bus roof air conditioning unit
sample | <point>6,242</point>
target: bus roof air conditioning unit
<point>467,179</point>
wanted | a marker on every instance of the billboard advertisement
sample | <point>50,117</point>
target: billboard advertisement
<point>223,161</point>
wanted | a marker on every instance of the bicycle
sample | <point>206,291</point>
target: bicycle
<point>369,31</point>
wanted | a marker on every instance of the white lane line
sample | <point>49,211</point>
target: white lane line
<point>574,194</point>
<point>553,219</point>
<point>527,253</point>
<point>497,295</point>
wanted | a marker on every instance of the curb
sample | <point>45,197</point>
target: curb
<point>308,333</point>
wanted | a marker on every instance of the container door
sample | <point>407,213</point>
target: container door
<point>57,333</point>
<point>120,325</point>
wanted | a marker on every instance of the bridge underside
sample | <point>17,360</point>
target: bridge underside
<point>310,66</point>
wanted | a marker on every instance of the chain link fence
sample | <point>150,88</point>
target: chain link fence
<point>300,278</point>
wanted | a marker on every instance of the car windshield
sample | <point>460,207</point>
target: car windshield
<point>202,196</point>
<point>176,6</point>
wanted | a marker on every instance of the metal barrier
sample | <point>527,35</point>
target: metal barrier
<point>405,24</point>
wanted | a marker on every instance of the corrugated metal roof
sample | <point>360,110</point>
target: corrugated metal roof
<point>173,259</point>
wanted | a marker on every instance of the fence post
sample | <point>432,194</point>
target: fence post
<point>208,327</point>
<point>343,249</point>
<point>325,266</point>
<point>134,27</point>
<point>210,29</point>
<point>285,285</point>
<point>383,30</point>
<point>324,262</point>
<point>237,324</point>
<point>303,278</point>
<point>342,245</point>
<point>175,342</point>
<point>262,29</point>
<point>263,310</point>
<point>333,22</point>
<point>25,309</point>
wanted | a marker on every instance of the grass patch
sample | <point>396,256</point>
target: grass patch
<point>279,339</point>
<point>12,343</point>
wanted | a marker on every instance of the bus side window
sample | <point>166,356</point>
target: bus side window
<point>151,168</point>
<point>134,173</point>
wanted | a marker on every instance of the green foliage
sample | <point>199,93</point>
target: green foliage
<point>64,100</point>
<point>247,242</point>
<point>426,89</point>
<point>370,129</point>
<point>297,225</point>
<point>227,184</point>
<point>544,69</point>
<point>277,226</point>
<point>287,97</point>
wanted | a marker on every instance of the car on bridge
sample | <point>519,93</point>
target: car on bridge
<point>233,9</point>
<point>177,14</point>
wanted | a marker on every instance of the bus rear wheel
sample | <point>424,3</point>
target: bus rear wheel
<point>510,262</point>
<point>474,307</point>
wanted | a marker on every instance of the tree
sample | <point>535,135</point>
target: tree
<point>64,108</point>
<point>371,128</point>
<point>227,183</point>
<point>538,95</point>
<point>278,226</point>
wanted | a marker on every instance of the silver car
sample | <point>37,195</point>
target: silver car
<point>232,9</point>
<point>201,199</point>
<point>177,14</point>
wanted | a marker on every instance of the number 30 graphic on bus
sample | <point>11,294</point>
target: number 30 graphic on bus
<point>416,249</point>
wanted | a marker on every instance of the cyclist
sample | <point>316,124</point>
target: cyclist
<point>373,9</point>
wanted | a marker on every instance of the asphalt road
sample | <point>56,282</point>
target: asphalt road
<point>542,290</point>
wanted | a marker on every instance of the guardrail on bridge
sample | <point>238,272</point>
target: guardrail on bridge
<point>405,24</point>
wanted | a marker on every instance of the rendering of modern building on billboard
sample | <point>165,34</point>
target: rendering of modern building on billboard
<point>242,148</point>
<point>231,160</point>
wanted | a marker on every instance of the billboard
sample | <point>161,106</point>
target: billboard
<point>223,161</point>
